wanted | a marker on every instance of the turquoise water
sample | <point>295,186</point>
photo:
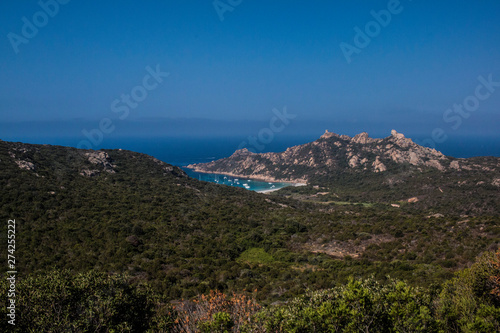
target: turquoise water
<point>249,184</point>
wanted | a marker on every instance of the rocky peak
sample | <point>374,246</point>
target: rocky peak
<point>397,135</point>
<point>362,138</point>
<point>327,135</point>
<point>242,152</point>
<point>401,140</point>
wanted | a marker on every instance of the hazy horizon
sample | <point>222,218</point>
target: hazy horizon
<point>196,70</point>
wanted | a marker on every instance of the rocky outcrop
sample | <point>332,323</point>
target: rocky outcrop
<point>25,165</point>
<point>378,166</point>
<point>101,158</point>
<point>328,135</point>
<point>334,153</point>
<point>354,161</point>
<point>434,164</point>
<point>455,165</point>
<point>362,138</point>
<point>21,162</point>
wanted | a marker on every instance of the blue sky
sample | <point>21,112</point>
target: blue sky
<point>233,72</point>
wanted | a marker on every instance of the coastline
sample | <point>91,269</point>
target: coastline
<point>276,189</point>
<point>295,182</point>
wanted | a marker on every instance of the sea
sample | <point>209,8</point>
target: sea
<point>247,183</point>
<point>182,151</point>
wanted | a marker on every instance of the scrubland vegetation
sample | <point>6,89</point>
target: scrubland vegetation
<point>144,248</point>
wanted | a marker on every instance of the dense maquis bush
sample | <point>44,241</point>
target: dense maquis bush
<point>96,302</point>
<point>358,306</point>
<point>184,238</point>
<point>87,302</point>
<point>470,302</point>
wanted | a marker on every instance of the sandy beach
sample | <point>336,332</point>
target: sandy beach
<point>275,189</point>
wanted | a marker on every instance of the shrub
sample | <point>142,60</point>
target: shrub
<point>87,302</point>
<point>221,323</point>
<point>216,312</point>
<point>359,306</point>
<point>468,302</point>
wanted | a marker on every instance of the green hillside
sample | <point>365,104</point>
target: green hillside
<point>116,211</point>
